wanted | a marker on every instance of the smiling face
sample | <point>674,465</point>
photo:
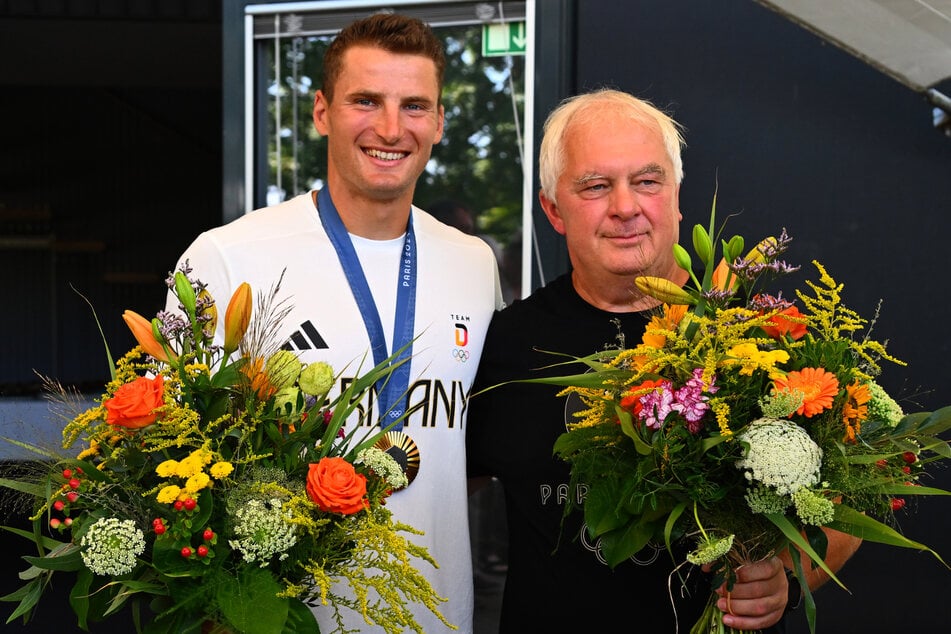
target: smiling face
<point>617,204</point>
<point>381,127</point>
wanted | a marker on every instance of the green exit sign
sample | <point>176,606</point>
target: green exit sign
<point>507,38</point>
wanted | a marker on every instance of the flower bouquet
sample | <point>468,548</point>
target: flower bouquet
<point>213,486</point>
<point>745,424</point>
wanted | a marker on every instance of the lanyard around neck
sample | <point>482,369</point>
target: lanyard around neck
<point>392,390</point>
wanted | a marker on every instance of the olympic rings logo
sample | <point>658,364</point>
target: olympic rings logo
<point>461,355</point>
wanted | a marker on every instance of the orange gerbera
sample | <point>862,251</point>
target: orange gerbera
<point>668,321</point>
<point>856,409</point>
<point>818,388</point>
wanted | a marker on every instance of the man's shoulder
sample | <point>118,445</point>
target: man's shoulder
<point>289,217</point>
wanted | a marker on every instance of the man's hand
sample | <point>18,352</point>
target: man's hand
<point>758,598</point>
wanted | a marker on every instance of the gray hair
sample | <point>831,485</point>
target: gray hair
<point>551,157</point>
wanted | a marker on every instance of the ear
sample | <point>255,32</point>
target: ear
<point>554,214</point>
<point>321,106</point>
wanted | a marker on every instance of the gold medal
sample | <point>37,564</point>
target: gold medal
<point>403,450</point>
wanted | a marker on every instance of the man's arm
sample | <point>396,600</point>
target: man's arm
<point>841,546</point>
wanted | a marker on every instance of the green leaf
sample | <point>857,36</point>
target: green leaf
<point>672,522</point>
<point>300,619</point>
<point>31,596</point>
<point>251,604</point>
<point>601,512</point>
<point>79,597</point>
<point>850,521</point>
<point>32,448</point>
<point>904,489</point>
<point>44,542</point>
<point>65,557</point>
<point>793,535</point>
<point>625,542</point>
<point>627,426</point>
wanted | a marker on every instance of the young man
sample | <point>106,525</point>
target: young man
<point>610,170</point>
<point>365,270</point>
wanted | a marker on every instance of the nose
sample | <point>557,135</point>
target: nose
<point>388,125</point>
<point>624,202</point>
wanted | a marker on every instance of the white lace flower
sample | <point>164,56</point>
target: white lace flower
<point>781,455</point>
<point>882,406</point>
<point>384,465</point>
<point>111,545</point>
<point>262,531</point>
<point>812,508</point>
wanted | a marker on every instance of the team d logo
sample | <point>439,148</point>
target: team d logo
<point>459,351</point>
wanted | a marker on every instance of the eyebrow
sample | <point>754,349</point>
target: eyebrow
<point>379,96</point>
<point>650,168</point>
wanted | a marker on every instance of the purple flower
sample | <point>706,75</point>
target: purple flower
<point>657,405</point>
<point>690,401</point>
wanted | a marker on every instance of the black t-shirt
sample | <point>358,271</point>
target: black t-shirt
<point>556,579</point>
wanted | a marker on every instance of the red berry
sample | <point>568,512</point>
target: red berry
<point>179,505</point>
<point>898,504</point>
<point>208,535</point>
<point>202,551</point>
<point>190,504</point>
<point>157,521</point>
<point>186,552</point>
<point>67,473</point>
<point>68,521</point>
<point>54,523</point>
<point>881,463</point>
<point>909,457</point>
<point>72,496</point>
<point>74,483</point>
<point>906,469</point>
<point>159,529</point>
<point>59,505</point>
<point>79,470</point>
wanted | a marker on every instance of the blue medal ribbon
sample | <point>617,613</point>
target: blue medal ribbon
<point>392,394</point>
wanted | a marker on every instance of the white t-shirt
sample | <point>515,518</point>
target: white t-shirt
<point>457,291</point>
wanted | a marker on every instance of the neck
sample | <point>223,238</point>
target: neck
<point>370,218</point>
<point>617,293</point>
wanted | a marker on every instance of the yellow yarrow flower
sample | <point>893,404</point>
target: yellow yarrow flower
<point>221,470</point>
<point>188,467</point>
<point>168,494</point>
<point>197,482</point>
<point>167,469</point>
<point>92,450</point>
<point>752,358</point>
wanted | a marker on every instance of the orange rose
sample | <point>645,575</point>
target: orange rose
<point>134,404</point>
<point>783,326</point>
<point>334,486</point>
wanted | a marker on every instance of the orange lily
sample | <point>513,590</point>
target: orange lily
<point>237,317</point>
<point>142,331</point>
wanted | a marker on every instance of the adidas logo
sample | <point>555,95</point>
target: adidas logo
<point>307,338</point>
